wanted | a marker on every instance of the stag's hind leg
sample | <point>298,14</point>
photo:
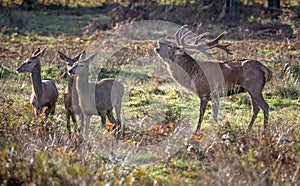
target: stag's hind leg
<point>255,91</point>
<point>264,106</point>
<point>255,110</point>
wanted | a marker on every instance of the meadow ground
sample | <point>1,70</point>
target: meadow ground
<point>154,110</point>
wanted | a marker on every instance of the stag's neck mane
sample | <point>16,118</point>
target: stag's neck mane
<point>36,80</point>
<point>184,64</point>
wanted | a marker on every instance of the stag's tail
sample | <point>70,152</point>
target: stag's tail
<point>266,71</point>
<point>268,74</point>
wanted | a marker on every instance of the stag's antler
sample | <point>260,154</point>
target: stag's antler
<point>183,32</point>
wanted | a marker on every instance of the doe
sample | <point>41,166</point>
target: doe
<point>44,92</point>
<point>106,94</point>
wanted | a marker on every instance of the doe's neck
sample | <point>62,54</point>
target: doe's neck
<point>36,81</point>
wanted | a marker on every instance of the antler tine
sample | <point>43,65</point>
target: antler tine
<point>181,33</point>
<point>214,43</point>
<point>184,35</point>
<point>200,37</point>
<point>216,40</point>
<point>224,47</point>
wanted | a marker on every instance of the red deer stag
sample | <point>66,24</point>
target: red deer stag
<point>44,92</point>
<point>210,80</point>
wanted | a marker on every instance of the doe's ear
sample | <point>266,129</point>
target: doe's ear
<point>89,59</point>
<point>79,55</point>
<point>36,52</point>
<point>63,56</point>
<point>82,56</point>
<point>40,53</point>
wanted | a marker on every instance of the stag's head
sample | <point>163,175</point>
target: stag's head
<point>31,63</point>
<point>168,51</point>
<point>70,61</point>
<point>81,67</point>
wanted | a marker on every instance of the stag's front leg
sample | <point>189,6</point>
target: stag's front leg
<point>215,108</point>
<point>203,104</point>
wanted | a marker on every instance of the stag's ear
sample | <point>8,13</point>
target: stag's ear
<point>63,56</point>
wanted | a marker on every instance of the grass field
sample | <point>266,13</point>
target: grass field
<point>158,147</point>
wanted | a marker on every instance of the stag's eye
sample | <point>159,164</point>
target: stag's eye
<point>170,46</point>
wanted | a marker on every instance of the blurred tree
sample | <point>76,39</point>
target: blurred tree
<point>273,5</point>
<point>29,4</point>
<point>232,8</point>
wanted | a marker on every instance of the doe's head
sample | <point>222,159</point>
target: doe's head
<point>81,67</point>
<point>32,62</point>
<point>70,61</point>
